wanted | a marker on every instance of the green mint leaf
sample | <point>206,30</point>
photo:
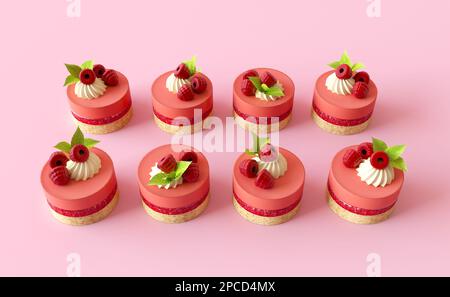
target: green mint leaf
<point>378,145</point>
<point>89,142</point>
<point>394,152</point>
<point>358,66</point>
<point>250,153</point>
<point>87,65</point>
<point>63,146</point>
<point>275,91</point>
<point>191,65</point>
<point>399,164</point>
<point>77,138</point>
<point>73,69</point>
<point>160,179</point>
<point>71,80</point>
<point>265,87</point>
<point>256,81</point>
<point>345,59</point>
<point>182,166</point>
<point>335,64</point>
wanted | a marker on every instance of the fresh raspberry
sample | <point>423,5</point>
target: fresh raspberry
<point>351,158</point>
<point>185,93</point>
<point>360,90</point>
<point>182,71</point>
<point>79,153</point>
<point>344,72</point>
<point>362,77</point>
<point>198,84</point>
<point>192,173</point>
<point>268,79</point>
<point>265,180</point>
<point>379,160</point>
<point>57,159</point>
<point>249,168</point>
<point>250,73</point>
<point>365,150</point>
<point>248,88</point>
<point>189,156</point>
<point>87,76</point>
<point>268,153</point>
<point>60,175</point>
<point>111,78</point>
<point>167,163</point>
<point>99,70</point>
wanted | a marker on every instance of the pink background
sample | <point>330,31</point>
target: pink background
<point>405,50</point>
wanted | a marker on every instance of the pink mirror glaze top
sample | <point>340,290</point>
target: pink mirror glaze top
<point>183,195</point>
<point>169,105</point>
<point>348,187</point>
<point>288,189</point>
<point>79,195</point>
<point>253,106</point>
<point>345,107</point>
<point>114,101</point>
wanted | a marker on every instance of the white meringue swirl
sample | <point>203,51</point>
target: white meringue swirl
<point>263,96</point>
<point>91,91</point>
<point>373,176</point>
<point>277,167</point>
<point>84,170</point>
<point>173,83</point>
<point>173,184</point>
<point>339,86</point>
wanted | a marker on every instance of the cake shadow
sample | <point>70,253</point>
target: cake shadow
<point>142,112</point>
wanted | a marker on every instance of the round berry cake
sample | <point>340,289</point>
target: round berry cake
<point>267,184</point>
<point>365,181</point>
<point>99,98</point>
<point>174,183</point>
<point>262,100</point>
<point>344,99</point>
<point>79,182</point>
<point>182,99</point>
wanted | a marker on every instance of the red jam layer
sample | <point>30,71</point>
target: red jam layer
<point>263,120</point>
<point>103,121</point>
<point>174,122</point>
<point>357,210</point>
<point>340,122</point>
<point>88,211</point>
<point>174,211</point>
<point>265,212</point>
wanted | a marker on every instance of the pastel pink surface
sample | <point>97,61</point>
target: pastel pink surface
<point>413,109</point>
<point>287,190</point>
<point>79,195</point>
<point>169,105</point>
<point>253,106</point>
<point>115,100</point>
<point>181,196</point>
<point>346,107</point>
<point>348,187</point>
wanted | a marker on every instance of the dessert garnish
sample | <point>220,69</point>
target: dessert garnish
<point>379,161</point>
<point>189,156</point>
<point>57,159</point>
<point>83,163</point>
<point>352,158</point>
<point>90,80</point>
<point>111,78</point>
<point>264,91</point>
<point>168,173</point>
<point>365,150</point>
<point>60,175</point>
<point>185,93</point>
<point>250,73</point>
<point>192,173</point>
<point>247,87</point>
<point>345,80</point>
<point>249,168</point>
<point>264,180</point>
<point>198,84</point>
